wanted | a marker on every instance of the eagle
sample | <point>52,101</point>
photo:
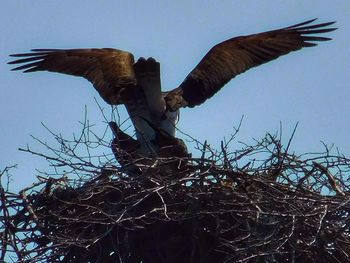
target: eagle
<point>120,80</point>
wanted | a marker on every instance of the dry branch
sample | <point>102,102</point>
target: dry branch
<point>257,204</point>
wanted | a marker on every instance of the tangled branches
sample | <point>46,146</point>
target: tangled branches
<point>257,204</point>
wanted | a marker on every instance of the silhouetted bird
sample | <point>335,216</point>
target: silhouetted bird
<point>169,158</point>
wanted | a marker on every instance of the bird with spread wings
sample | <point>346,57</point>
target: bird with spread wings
<point>120,80</point>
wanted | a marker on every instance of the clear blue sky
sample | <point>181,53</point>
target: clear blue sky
<point>311,86</point>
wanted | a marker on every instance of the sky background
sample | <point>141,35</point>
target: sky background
<point>310,86</point>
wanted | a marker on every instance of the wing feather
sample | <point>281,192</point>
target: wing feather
<point>109,70</point>
<point>236,55</point>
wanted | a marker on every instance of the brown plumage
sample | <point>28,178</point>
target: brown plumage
<point>109,70</point>
<point>167,145</point>
<point>126,149</point>
<point>169,152</point>
<point>112,74</point>
<point>236,55</point>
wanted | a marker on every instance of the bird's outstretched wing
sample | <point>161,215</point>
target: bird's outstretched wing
<point>109,70</point>
<point>236,55</point>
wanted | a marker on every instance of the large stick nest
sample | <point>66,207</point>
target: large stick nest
<point>258,204</point>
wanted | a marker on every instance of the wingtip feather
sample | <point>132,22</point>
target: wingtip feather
<point>303,23</point>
